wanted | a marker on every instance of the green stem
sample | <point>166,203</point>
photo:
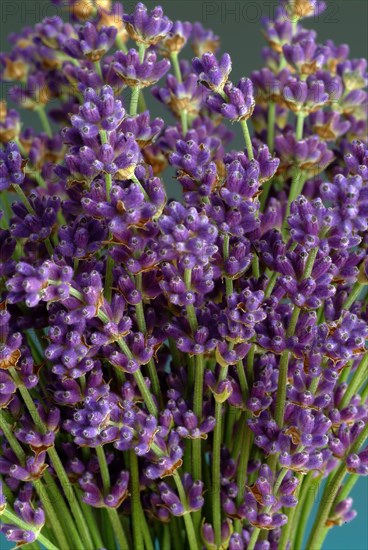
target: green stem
<point>354,294</point>
<point>146,394</point>
<point>7,208</point>
<point>192,318</point>
<point>46,503</point>
<point>308,494</point>
<point>289,528</point>
<point>175,63</point>
<point>197,409</point>
<point>91,522</point>
<point>104,469</point>
<point>120,44</point>
<point>242,380</point>
<point>44,120</point>
<point>253,538</point>
<point>166,542</point>
<point>108,277</point>
<point>97,66</point>
<point>146,532</point>
<point>15,520</point>
<point>62,510</point>
<point>299,126</point>
<point>216,466</point>
<point>271,126</point>
<point>329,495</point>
<point>243,462</point>
<point>255,266</point>
<point>271,284</point>
<point>54,457</point>
<point>118,529</point>
<point>359,377</point>
<point>346,488</point>
<point>141,322</point>
<point>225,248</point>
<point>187,516</point>
<point>133,107</point>
<point>248,141</point>
<point>183,113</point>
<point>136,181</point>
<point>135,502</point>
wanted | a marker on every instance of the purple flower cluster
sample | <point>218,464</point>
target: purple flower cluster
<point>180,373</point>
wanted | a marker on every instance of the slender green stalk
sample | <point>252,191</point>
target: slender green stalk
<point>57,464</point>
<point>146,532</point>
<point>135,502</point>
<point>253,538</point>
<point>241,479</point>
<point>242,379</point>
<point>255,266</point>
<point>118,529</point>
<point>6,208</point>
<point>91,522</point>
<point>271,284</point>
<point>270,143</point>
<point>146,394</point>
<point>175,63</point>
<point>231,416</point>
<point>166,539</point>
<point>298,179</point>
<point>364,394</point>
<point>299,126</point>
<point>120,44</point>
<point>197,409</point>
<point>318,531</point>
<point>47,506</point>
<point>44,120</point>
<point>183,113</point>
<point>133,106</point>
<point>289,528</point>
<point>358,379</point>
<point>248,141</point>
<point>141,322</point>
<point>12,518</point>
<point>228,281</point>
<point>62,510</point>
<point>216,466</point>
<point>137,182</point>
<point>308,494</point>
<point>283,371</point>
<point>104,469</point>
<point>97,66</point>
<point>250,365</point>
<point>271,126</point>
<point>187,516</point>
<point>354,294</point>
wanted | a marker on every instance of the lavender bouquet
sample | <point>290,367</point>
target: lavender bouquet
<point>181,374</point>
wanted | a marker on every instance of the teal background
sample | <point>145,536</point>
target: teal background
<point>238,25</point>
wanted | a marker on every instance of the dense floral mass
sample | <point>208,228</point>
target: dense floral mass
<point>181,373</point>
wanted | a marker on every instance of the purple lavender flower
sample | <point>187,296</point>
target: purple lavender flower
<point>9,123</point>
<point>176,39</point>
<point>203,40</point>
<point>92,43</point>
<point>239,104</point>
<point>37,226</point>
<point>145,27</point>
<point>211,73</point>
<point>11,166</point>
<point>136,73</point>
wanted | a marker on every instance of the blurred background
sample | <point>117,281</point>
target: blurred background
<point>238,25</point>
